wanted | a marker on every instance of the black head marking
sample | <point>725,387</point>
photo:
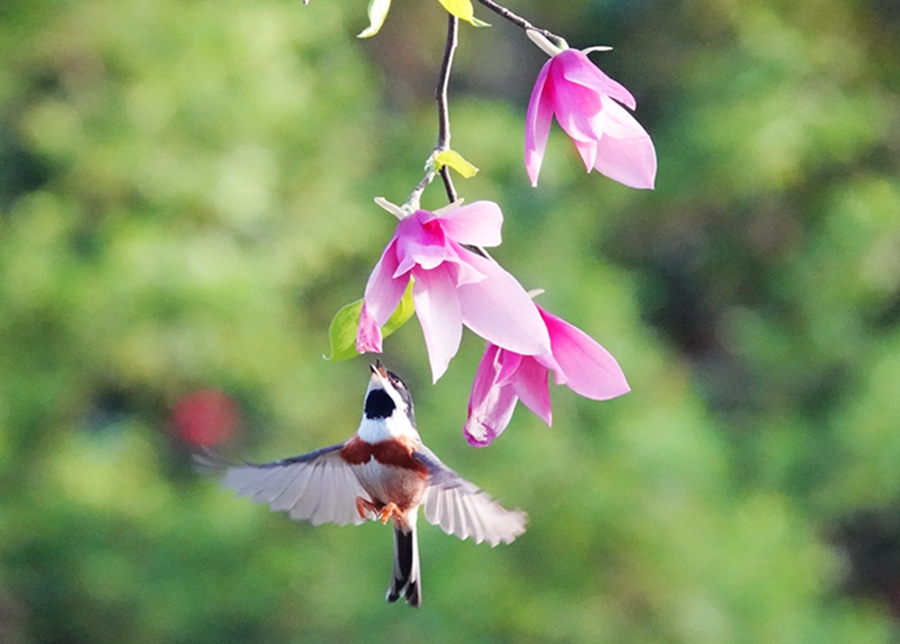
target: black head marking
<point>379,404</point>
<point>403,390</point>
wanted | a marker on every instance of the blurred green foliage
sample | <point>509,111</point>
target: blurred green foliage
<point>186,200</point>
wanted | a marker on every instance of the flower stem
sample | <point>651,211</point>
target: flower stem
<point>519,21</point>
<point>440,94</point>
<point>443,140</point>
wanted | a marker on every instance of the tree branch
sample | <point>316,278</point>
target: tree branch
<point>443,140</point>
<point>440,94</point>
<point>519,21</point>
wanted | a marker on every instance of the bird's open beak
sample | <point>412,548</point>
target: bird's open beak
<point>378,371</point>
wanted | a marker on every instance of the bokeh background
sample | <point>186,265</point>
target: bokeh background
<point>186,199</point>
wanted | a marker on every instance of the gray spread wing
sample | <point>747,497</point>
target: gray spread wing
<point>463,509</point>
<point>318,487</point>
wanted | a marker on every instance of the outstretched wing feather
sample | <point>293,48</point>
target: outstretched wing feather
<point>318,487</point>
<point>462,509</point>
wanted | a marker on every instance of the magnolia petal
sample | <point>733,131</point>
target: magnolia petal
<point>460,270</point>
<point>438,309</point>
<point>488,421</point>
<point>383,290</point>
<point>509,363</point>
<point>581,71</point>
<point>500,311</point>
<point>587,150</point>
<point>551,365</point>
<point>619,123</point>
<point>587,368</point>
<point>574,105</point>
<point>532,388</point>
<point>477,224</point>
<point>630,161</point>
<point>368,334</point>
<point>491,405</point>
<point>486,376</point>
<point>419,242</point>
<point>537,124</point>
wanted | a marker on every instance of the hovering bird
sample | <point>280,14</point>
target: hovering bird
<point>382,472</point>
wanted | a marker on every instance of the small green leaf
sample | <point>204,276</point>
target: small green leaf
<point>342,332</point>
<point>455,160</point>
<point>378,11</point>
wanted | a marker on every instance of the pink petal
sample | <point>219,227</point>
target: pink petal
<point>579,69</point>
<point>631,163</point>
<point>537,124</point>
<point>587,368</point>
<point>509,364</point>
<point>588,152</point>
<point>625,153</point>
<point>532,388</point>
<point>618,122</point>
<point>461,271</point>
<point>490,405</point>
<point>575,105</point>
<point>500,311</point>
<point>438,310</point>
<point>368,334</point>
<point>383,290</point>
<point>477,224</point>
<point>419,241</point>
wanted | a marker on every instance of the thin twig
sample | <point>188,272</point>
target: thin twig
<point>440,94</point>
<point>448,184</point>
<point>519,21</point>
<point>440,91</point>
<point>443,140</point>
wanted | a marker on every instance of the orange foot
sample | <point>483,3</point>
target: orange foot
<point>388,512</point>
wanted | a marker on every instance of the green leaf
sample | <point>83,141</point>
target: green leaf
<point>342,333</point>
<point>378,11</point>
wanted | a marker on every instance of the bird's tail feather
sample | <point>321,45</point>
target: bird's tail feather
<point>405,577</point>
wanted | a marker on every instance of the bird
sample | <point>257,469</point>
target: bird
<point>383,472</point>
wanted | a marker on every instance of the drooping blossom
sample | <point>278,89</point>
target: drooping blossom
<point>452,286</point>
<point>585,102</point>
<point>504,377</point>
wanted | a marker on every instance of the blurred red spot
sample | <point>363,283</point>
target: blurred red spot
<point>205,417</point>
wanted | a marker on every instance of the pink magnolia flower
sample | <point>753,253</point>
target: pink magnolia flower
<point>504,377</point>
<point>583,99</point>
<point>452,286</point>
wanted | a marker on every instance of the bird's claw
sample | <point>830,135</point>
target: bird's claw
<point>388,512</point>
<point>364,507</point>
<point>382,512</point>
